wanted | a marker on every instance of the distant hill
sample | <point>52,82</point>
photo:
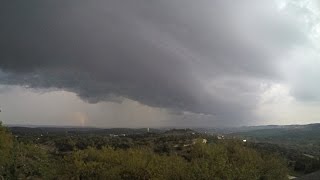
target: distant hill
<point>79,131</point>
<point>244,129</point>
<point>290,132</point>
<point>304,138</point>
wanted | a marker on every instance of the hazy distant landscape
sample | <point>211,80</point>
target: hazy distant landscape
<point>264,152</point>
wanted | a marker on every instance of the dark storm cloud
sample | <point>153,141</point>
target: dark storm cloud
<point>160,53</point>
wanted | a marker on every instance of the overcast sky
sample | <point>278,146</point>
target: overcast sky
<point>155,63</point>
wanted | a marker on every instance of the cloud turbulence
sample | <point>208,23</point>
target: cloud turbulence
<point>213,58</point>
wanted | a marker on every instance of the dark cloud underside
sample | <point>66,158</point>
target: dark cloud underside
<point>160,53</point>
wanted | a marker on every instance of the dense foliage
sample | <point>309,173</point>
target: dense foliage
<point>148,156</point>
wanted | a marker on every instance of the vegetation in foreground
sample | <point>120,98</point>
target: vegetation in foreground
<point>142,158</point>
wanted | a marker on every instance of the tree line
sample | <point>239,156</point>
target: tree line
<point>218,160</point>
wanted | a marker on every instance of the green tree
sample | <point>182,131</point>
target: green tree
<point>6,145</point>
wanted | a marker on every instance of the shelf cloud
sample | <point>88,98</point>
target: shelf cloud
<point>205,57</point>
